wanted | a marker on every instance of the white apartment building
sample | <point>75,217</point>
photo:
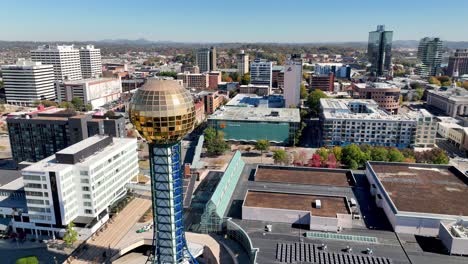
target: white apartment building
<point>78,184</point>
<point>28,81</point>
<point>97,91</point>
<point>90,60</point>
<point>65,59</point>
<point>261,72</point>
<point>242,63</point>
<point>361,121</point>
<point>292,82</point>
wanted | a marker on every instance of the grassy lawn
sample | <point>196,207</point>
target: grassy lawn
<point>28,260</point>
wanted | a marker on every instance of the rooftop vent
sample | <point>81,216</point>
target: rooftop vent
<point>274,113</point>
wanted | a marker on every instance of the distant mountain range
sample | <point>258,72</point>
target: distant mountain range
<point>396,43</point>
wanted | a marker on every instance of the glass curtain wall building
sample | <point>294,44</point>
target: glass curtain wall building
<point>379,51</point>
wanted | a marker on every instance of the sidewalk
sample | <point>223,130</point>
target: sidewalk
<point>9,244</point>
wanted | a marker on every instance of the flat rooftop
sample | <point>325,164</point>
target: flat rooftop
<point>330,205</point>
<point>257,114</point>
<point>253,100</point>
<point>308,176</point>
<point>424,189</point>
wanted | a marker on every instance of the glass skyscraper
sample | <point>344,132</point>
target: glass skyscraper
<point>379,51</point>
<point>430,55</point>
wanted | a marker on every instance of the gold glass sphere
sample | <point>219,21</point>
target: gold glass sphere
<point>162,111</point>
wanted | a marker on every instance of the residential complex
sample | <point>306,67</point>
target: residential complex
<point>260,72</point>
<point>292,81</point>
<point>78,184</point>
<point>379,51</point>
<point>363,122</point>
<point>458,63</point>
<point>97,91</point>
<point>65,59</point>
<point>430,55</point>
<point>90,60</point>
<point>338,69</point>
<point>387,95</point>
<point>27,82</point>
<point>206,59</point>
<point>242,63</point>
<point>40,134</point>
<point>452,101</point>
<point>277,125</point>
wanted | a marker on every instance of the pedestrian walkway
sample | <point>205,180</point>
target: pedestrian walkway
<point>103,243</point>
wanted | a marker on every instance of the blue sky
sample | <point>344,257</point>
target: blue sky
<point>231,21</point>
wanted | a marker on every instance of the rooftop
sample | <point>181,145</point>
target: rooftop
<point>364,109</point>
<point>331,205</point>
<point>302,175</point>
<point>433,189</point>
<point>253,100</point>
<point>90,81</point>
<point>10,179</point>
<point>257,114</point>
<point>454,93</point>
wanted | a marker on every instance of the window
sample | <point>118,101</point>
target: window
<point>85,188</point>
<point>84,173</point>
<point>84,180</point>
<point>87,211</point>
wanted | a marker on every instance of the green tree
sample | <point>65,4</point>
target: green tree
<point>323,153</point>
<point>313,101</point>
<point>353,153</point>
<point>394,155</point>
<point>77,103</point>
<point>88,107</point>
<point>109,114</point>
<point>304,92</point>
<point>45,103</point>
<point>71,235</point>
<point>262,145</point>
<point>338,152</point>
<point>245,79</point>
<point>438,156</point>
<point>168,74</point>
<point>214,142</point>
<point>280,156</point>
<point>67,105</point>
<point>353,165</point>
<point>379,154</point>
<point>418,94</point>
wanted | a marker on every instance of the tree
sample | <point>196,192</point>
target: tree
<point>353,165</point>
<point>280,156</point>
<point>71,235</point>
<point>88,107</point>
<point>67,105</point>
<point>352,153</point>
<point>418,94</point>
<point>46,103</point>
<point>245,79</point>
<point>214,142</point>
<point>77,103</point>
<point>109,114</point>
<point>337,151</point>
<point>379,154</point>
<point>262,145</point>
<point>434,80</point>
<point>304,92</point>
<point>323,153</point>
<point>168,74</point>
<point>439,156</point>
<point>394,155</point>
<point>331,161</point>
<point>316,161</point>
<point>313,101</point>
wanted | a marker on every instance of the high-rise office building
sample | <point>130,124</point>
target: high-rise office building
<point>78,184</point>
<point>430,55</point>
<point>206,59</point>
<point>28,81</point>
<point>163,123</point>
<point>37,135</point>
<point>261,72</point>
<point>242,63</point>
<point>292,81</point>
<point>90,60</point>
<point>458,63</point>
<point>379,51</point>
<point>65,59</point>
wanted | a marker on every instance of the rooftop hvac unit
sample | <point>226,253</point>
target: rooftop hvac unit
<point>318,204</point>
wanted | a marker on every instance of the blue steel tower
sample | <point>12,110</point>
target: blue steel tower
<point>163,113</point>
